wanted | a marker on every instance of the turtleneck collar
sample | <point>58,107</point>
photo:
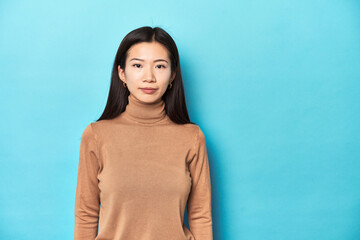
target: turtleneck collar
<point>141,112</point>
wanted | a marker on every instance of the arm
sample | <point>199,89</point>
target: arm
<point>199,202</point>
<point>87,192</point>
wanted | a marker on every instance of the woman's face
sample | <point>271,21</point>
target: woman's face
<point>147,66</point>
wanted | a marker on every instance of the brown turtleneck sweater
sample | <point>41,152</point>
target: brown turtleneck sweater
<point>137,172</point>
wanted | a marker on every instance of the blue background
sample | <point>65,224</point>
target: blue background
<point>274,85</point>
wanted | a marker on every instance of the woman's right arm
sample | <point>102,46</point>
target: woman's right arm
<point>87,199</point>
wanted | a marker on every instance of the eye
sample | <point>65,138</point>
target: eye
<point>136,64</point>
<point>163,66</point>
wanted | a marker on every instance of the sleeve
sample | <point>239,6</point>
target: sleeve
<point>199,201</point>
<point>87,198</point>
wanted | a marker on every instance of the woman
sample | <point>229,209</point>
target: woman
<point>143,160</point>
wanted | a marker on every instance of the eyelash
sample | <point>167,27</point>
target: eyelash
<point>163,66</point>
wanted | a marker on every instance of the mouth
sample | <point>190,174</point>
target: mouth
<point>148,88</point>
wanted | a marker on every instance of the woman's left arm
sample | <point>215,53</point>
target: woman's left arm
<point>199,202</point>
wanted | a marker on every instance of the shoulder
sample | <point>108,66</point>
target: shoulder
<point>200,137</point>
<point>191,126</point>
<point>196,133</point>
<point>192,129</point>
<point>96,127</point>
<point>88,133</point>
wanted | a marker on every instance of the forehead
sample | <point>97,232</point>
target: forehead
<point>148,50</point>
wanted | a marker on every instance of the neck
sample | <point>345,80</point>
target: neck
<point>142,112</point>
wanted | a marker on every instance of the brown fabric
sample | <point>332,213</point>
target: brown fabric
<point>137,172</point>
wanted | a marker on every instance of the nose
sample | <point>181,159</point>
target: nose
<point>149,74</point>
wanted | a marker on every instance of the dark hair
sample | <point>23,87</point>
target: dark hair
<point>174,98</point>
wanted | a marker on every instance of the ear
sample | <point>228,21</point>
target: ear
<point>121,73</point>
<point>173,76</point>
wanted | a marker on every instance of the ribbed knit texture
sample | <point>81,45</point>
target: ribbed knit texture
<point>137,172</point>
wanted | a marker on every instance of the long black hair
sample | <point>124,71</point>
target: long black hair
<point>174,98</point>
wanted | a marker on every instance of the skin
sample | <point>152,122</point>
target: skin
<point>147,72</point>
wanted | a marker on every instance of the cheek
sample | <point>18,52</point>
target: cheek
<point>164,78</point>
<point>164,75</point>
<point>133,75</point>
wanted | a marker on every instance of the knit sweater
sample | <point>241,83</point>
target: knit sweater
<point>136,174</point>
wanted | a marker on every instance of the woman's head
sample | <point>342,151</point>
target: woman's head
<point>135,64</point>
<point>147,65</point>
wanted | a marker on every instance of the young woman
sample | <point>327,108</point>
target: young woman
<point>143,160</point>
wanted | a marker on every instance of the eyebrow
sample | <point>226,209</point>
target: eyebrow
<point>156,60</point>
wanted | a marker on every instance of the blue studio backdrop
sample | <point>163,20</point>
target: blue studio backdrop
<point>274,85</point>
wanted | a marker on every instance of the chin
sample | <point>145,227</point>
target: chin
<point>148,98</point>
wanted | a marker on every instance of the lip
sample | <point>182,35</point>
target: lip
<point>148,90</point>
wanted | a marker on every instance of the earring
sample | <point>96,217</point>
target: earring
<point>170,85</point>
<point>124,84</point>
